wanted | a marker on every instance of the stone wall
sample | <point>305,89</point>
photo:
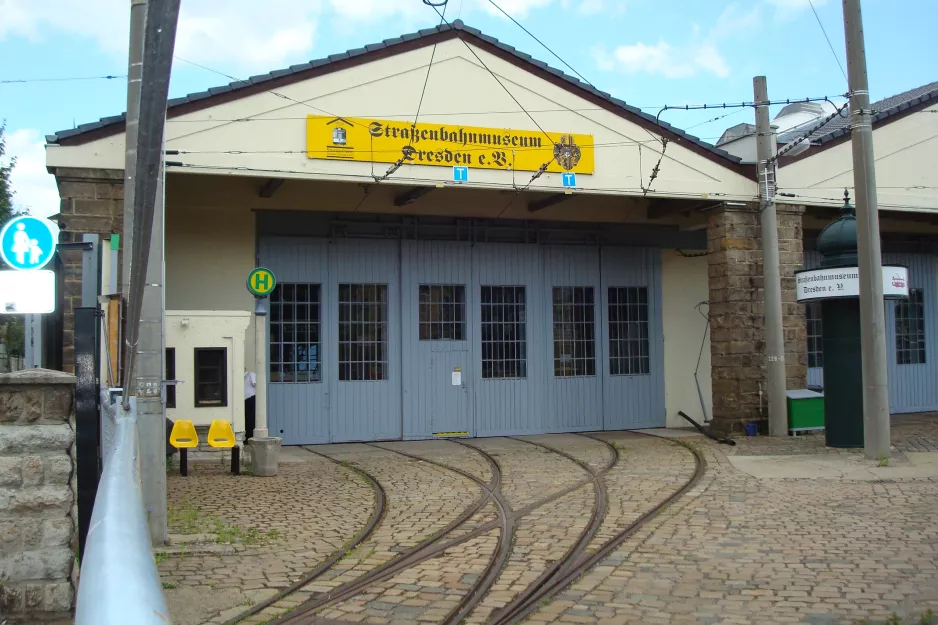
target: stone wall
<point>38,515</point>
<point>92,202</point>
<point>737,342</point>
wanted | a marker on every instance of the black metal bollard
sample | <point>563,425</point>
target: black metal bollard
<point>236,460</point>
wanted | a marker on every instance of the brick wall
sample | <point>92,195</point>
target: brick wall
<point>92,202</point>
<point>737,343</point>
<point>38,515</point>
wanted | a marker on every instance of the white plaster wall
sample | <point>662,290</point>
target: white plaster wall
<point>460,91</point>
<point>683,286</point>
<point>187,330</point>
<point>905,150</point>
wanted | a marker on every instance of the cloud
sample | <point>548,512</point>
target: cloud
<point>34,188</point>
<point>788,9</point>
<point>699,55</point>
<point>242,35</point>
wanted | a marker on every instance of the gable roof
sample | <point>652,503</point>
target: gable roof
<point>885,111</point>
<point>108,126</point>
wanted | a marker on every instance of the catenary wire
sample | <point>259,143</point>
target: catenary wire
<point>69,79</point>
<point>497,79</point>
<point>434,182</point>
<point>829,44</point>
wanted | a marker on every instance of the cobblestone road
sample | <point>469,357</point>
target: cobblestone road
<point>733,549</point>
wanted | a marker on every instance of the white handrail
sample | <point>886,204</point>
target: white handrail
<point>119,583</point>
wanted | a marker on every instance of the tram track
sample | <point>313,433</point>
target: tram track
<point>560,573</point>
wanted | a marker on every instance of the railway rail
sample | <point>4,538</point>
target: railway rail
<point>557,576</point>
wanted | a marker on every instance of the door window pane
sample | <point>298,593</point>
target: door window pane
<point>211,377</point>
<point>295,352</point>
<point>363,332</point>
<point>812,314</point>
<point>628,331</point>
<point>504,338</point>
<point>442,312</point>
<point>910,329</point>
<point>574,331</point>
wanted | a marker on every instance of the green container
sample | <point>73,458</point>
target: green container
<point>805,411</point>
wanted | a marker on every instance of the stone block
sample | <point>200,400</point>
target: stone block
<point>10,471</point>
<point>11,536</point>
<point>76,189</point>
<point>53,563</point>
<point>11,598</point>
<point>36,438</point>
<point>18,404</point>
<point>42,500</point>
<point>32,471</point>
<point>57,470</point>
<point>57,404</point>
<point>58,597</point>
<point>33,597</point>
<point>57,532</point>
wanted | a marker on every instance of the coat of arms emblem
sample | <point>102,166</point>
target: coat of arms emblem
<point>567,152</point>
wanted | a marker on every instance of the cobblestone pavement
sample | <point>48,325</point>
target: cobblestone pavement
<point>262,534</point>
<point>733,549</point>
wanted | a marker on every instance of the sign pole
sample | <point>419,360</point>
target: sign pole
<point>265,449</point>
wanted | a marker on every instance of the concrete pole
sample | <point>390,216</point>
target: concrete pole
<point>138,18</point>
<point>260,368</point>
<point>772,280</point>
<point>872,314</point>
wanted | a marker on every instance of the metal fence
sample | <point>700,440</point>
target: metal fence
<point>119,582</point>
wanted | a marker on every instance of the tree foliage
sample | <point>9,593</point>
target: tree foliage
<point>6,189</point>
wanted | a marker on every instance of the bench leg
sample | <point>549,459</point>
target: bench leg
<point>236,460</point>
<point>184,462</point>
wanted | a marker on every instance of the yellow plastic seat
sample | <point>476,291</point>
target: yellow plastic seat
<point>220,434</point>
<point>183,435</point>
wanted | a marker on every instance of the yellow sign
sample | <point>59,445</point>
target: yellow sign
<point>446,145</point>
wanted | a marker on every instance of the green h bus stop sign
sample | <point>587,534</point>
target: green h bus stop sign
<point>261,282</point>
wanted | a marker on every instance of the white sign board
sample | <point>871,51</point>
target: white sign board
<point>457,378</point>
<point>27,292</point>
<point>840,282</point>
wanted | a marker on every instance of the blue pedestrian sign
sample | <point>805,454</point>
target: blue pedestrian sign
<point>460,174</point>
<point>28,242</point>
<point>569,179</point>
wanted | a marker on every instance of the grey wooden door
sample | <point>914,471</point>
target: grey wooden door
<point>299,339</point>
<point>911,333</point>
<point>633,367</point>
<point>437,360</point>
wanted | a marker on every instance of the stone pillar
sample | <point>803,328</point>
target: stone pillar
<point>92,202</point>
<point>737,340</point>
<point>38,514</point>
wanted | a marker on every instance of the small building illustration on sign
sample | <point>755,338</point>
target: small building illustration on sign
<point>338,136</point>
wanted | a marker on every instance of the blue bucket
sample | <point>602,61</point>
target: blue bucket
<point>752,428</point>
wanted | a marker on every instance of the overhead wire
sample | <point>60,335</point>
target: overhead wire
<point>829,44</point>
<point>804,136</point>
<point>11,81</point>
<point>407,150</point>
<point>431,181</point>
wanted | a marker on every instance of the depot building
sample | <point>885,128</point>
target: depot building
<point>504,251</point>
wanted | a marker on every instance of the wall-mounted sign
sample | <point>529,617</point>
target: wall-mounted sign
<point>445,145</point>
<point>840,282</point>
<point>27,292</point>
<point>460,174</point>
<point>28,243</point>
<point>261,282</point>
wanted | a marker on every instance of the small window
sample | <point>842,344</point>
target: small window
<point>812,315</point>
<point>910,329</point>
<point>211,379</point>
<point>295,326</point>
<point>170,375</point>
<point>442,312</point>
<point>628,331</point>
<point>574,331</point>
<point>504,339</point>
<point>363,332</point>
